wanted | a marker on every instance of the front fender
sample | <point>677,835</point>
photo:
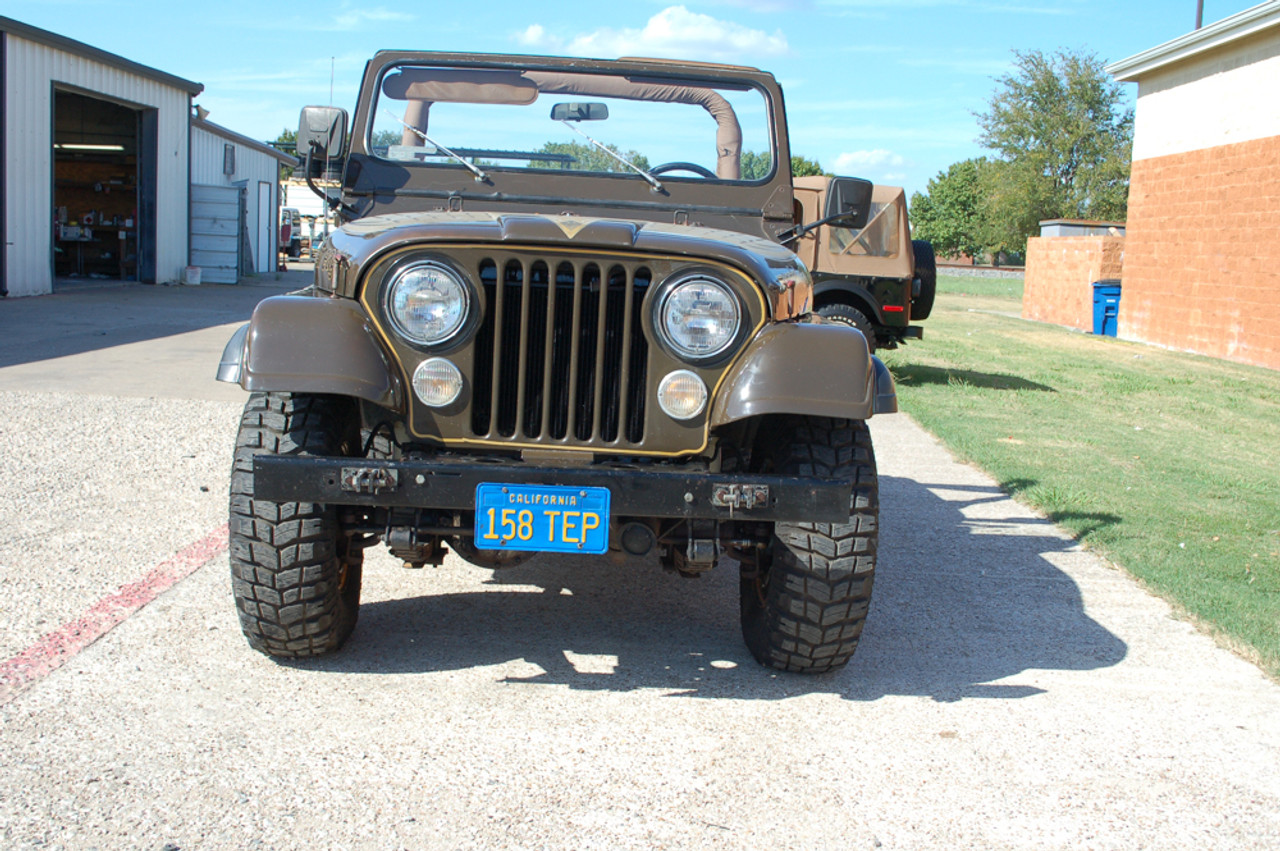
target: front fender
<point>816,370</point>
<point>303,344</point>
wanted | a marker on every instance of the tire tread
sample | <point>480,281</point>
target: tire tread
<point>821,574</point>
<point>286,568</point>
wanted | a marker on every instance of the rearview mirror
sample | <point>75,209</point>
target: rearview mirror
<point>580,112</point>
<point>322,132</point>
<point>848,203</point>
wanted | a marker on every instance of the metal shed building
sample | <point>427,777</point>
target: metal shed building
<point>235,202</point>
<point>94,158</point>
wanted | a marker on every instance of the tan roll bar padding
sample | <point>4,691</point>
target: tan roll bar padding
<point>423,86</point>
<point>416,113</point>
<point>728,131</point>
<point>463,85</point>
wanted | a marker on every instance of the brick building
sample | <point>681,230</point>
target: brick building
<point>1202,250</point>
<point>1060,273</point>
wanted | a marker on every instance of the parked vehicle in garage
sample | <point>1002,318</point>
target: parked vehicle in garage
<point>526,339</point>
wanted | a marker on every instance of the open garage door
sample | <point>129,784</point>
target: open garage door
<point>104,189</point>
<point>215,233</point>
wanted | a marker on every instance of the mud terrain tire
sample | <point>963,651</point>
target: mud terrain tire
<point>846,315</point>
<point>804,605</point>
<point>295,580</point>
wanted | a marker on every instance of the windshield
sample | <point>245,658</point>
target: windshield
<point>643,128</point>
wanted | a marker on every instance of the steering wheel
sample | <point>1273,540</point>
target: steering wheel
<point>701,171</point>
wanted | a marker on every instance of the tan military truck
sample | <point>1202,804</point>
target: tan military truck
<point>876,279</point>
<point>527,338</point>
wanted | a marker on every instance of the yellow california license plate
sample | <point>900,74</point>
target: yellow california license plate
<point>542,518</point>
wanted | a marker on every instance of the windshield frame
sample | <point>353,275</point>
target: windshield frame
<point>373,185</point>
<point>666,84</point>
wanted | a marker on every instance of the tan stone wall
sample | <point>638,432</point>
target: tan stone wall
<point>1060,275</point>
<point>1202,264</point>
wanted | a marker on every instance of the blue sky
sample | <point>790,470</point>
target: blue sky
<point>884,89</point>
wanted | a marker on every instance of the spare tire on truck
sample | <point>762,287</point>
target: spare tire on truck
<point>927,275</point>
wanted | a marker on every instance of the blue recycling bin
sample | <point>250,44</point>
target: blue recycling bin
<point>1106,307</point>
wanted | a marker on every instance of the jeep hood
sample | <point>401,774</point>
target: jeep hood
<point>355,245</point>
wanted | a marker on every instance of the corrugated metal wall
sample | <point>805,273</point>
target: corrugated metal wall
<point>30,71</point>
<point>251,168</point>
<point>216,213</point>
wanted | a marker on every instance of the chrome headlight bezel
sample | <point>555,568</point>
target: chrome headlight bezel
<point>458,326</point>
<point>663,304</point>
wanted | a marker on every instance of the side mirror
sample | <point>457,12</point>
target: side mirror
<point>322,132</point>
<point>580,112</point>
<point>848,203</point>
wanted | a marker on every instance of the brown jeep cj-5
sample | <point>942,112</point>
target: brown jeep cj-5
<point>527,337</point>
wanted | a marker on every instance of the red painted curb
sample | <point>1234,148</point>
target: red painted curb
<point>58,647</point>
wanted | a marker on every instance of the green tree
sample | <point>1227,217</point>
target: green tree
<point>385,138</point>
<point>1062,138</point>
<point>587,157</point>
<point>286,142</point>
<point>803,167</point>
<point>950,213</point>
<point>756,164</point>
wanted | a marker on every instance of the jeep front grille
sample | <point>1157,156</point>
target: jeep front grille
<point>561,355</point>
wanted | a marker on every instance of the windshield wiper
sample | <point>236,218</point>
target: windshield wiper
<point>481,177</point>
<point>653,181</point>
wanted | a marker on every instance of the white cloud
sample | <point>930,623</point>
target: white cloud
<point>768,5</point>
<point>353,18</point>
<point>674,33</point>
<point>853,161</point>
<point>978,6</point>
<point>534,35</point>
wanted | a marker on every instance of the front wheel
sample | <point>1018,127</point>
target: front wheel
<point>295,575</point>
<point>805,600</point>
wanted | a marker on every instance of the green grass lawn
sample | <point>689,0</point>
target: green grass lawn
<point>1166,463</point>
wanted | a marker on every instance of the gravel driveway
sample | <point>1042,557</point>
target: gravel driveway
<point>1011,690</point>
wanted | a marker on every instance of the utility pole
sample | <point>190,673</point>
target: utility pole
<point>1199,13</point>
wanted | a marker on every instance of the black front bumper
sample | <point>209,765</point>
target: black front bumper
<point>635,491</point>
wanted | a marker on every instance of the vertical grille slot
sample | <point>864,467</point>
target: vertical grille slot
<point>560,356</point>
<point>614,363</point>
<point>635,370</point>
<point>586,326</point>
<point>535,348</point>
<point>482,379</point>
<point>566,299</point>
<point>508,346</point>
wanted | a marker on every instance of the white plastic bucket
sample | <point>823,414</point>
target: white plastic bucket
<point>191,276</point>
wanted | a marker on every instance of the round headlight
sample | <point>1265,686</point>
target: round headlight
<point>699,317</point>
<point>437,382</point>
<point>682,394</point>
<point>427,303</point>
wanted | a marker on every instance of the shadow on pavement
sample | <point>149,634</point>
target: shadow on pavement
<point>959,604</point>
<point>77,320</point>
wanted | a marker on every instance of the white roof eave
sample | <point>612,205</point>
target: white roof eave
<point>1249,22</point>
